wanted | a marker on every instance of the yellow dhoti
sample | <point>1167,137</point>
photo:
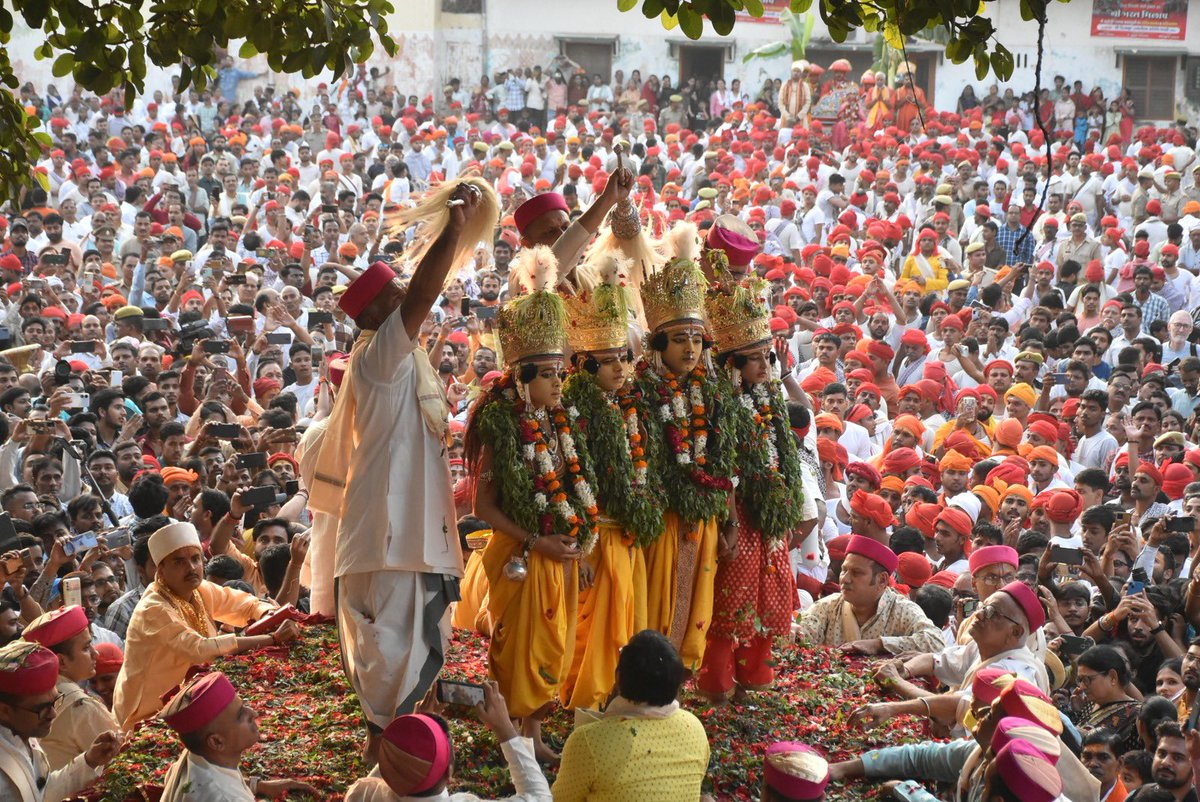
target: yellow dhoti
<point>609,615</point>
<point>470,612</point>
<point>681,567</point>
<point>533,625</point>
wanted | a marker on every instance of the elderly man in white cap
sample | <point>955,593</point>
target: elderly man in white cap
<point>173,629</point>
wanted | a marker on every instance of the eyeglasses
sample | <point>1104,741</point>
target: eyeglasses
<point>988,611</point>
<point>1086,679</point>
<point>41,710</point>
<point>995,580</point>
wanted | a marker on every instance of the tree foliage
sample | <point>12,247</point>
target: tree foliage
<point>107,44</point>
<point>968,34</point>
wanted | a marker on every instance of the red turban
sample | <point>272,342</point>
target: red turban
<point>1151,471</point>
<point>900,460</point>
<point>866,472</point>
<point>872,507</point>
<point>829,451</point>
<point>1176,477</point>
<point>956,519</point>
<point>921,516</point>
<point>537,206</point>
<point>1063,506</point>
<point>913,569</point>
<point>880,350</point>
<point>873,550</point>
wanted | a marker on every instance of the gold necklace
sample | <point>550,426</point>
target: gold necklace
<point>191,610</point>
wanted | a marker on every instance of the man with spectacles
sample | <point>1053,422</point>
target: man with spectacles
<point>79,717</point>
<point>994,578</point>
<point>28,700</point>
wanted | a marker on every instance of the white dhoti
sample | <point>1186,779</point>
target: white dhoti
<point>394,628</point>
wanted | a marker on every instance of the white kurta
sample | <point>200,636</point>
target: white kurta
<point>23,765</point>
<point>398,513</point>
<point>191,778</point>
<point>317,572</point>
<point>527,777</point>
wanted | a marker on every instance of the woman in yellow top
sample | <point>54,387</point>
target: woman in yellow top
<point>534,487</point>
<point>924,265</point>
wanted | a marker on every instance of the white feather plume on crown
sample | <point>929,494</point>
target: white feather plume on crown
<point>683,242</point>
<point>537,269</point>
<point>611,267</point>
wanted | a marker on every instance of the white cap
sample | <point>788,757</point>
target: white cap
<point>171,538</point>
<point>968,502</point>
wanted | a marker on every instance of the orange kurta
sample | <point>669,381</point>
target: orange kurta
<point>470,611</point>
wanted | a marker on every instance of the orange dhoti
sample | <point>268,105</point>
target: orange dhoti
<point>611,612</point>
<point>533,625</point>
<point>681,567</point>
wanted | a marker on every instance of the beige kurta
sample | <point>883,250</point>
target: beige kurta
<point>25,775</point>
<point>899,622</point>
<point>80,718</point>
<point>191,778</point>
<point>160,647</point>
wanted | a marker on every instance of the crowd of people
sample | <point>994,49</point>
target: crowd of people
<point>637,383</point>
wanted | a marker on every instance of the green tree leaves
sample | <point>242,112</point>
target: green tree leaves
<point>108,44</point>
<point>959,23</point>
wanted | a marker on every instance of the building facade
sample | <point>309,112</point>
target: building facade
<point>1151,47</point>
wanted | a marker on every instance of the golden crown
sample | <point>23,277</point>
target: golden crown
<point>738,317</point>
<point>674,293</point>
<point>598,319</point>
<point>533,324</point>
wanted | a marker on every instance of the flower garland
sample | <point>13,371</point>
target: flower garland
<point>611,425</point>
<point>771,490</point>
<point>530,490</point>
<point>697,471</point>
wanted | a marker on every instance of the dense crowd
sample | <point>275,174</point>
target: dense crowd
<point>634,380</point>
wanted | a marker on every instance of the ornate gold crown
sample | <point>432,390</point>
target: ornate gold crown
<point>535,323</point>
<point>598,319</point>
<point>674,293</point>
<point>738,318</point>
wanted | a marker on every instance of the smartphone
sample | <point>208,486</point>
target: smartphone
<point>969,606</point>
<point>1181,523</point>
<point>225,431</point>
<point>116,379</point>
<point>1059,378</point>
<point>1121,517</point>
<point>207,273</point>
<point>243,324</point>
<point>78,401</point>
<point>255,461</point>
<point>318,354</point>
<point>71,593</point>
<point>1137,582</point>
<point>235,280</point>
<point>291,487</point>
<point>8,534</point>
<point>216,346</point>
<point>83,347</point>
<point>262,253</point>
<point>485,312</point>
<point>981,306</point>
<point>1066,556</point>
<point>155,324</point>
<point>39,425</point>
<point>316,318</point>
<point>464,307</point>
<point>24,559</point>
<point>260,497</point>
<point>81,543</point>
<point>329,208</point>
<point>1074,645</point>
<point>116,538</point>
<point>466,694</point>
<point>279,338</point>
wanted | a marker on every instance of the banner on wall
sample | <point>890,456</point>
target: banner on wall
<point>1140,19</point>
<point>771,11</point>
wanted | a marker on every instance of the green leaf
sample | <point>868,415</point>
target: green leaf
<point>651,8</point>
<point>800,6</point>
<point>63,65</point>
<point>754,8</point>
<point>247,50</point>
<point>626,5</point>
<point>691,23</point>
<point>981,66</point>
<point>722,19</point>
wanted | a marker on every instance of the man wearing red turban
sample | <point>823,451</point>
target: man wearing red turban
<point>951,531</point>
<point>870,516</point>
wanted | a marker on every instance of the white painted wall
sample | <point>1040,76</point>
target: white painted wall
<point>435,46</point>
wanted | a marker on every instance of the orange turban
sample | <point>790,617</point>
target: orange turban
<point>872,507</point>
<point>817,380</point>
<point>911,424</point>
<point>1008,433</point>
<point>1044,453</point>
<point>956,519</point>
<point>921,516</point>
<point>954,461</point>
<point>892,483</point>
<point>173,475</point>
<point>1019,490</point>
<point>989,496</point>
<point>827,420</point>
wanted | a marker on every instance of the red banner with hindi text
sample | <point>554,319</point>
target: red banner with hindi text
<point>1140,19</point>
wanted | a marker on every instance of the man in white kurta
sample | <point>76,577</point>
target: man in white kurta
<point>382,471</point>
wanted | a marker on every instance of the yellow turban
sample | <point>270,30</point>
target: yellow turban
<point>1022,392</point>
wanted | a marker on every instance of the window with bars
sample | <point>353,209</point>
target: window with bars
<point>1151,81</point>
